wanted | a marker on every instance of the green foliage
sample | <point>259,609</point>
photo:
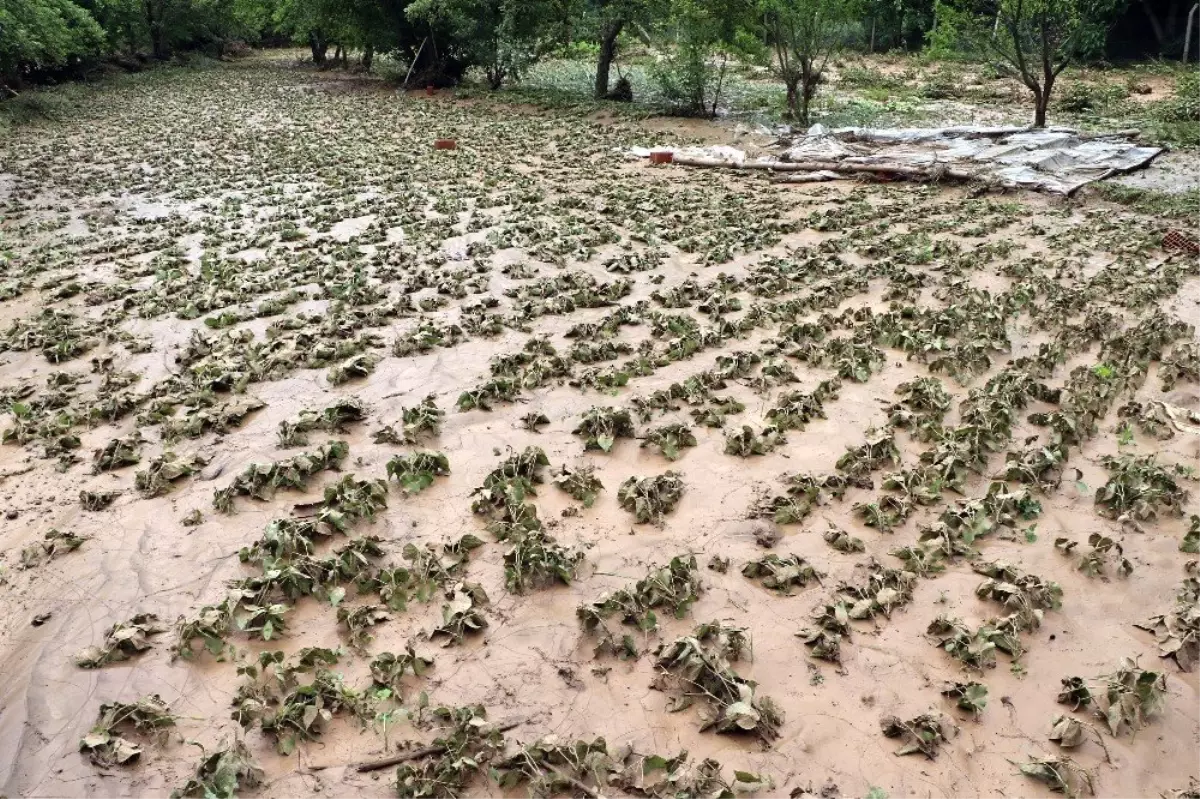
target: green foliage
<point>698,666</point>
<point>45,35</point>
<point>650,498</point>
<point>222,774</point>
<point>1032,41</point>
<point>672,588</point>
<point>581,484</point>
<point>925,733</point>
<point>803,35</point>
<point>417,471</point>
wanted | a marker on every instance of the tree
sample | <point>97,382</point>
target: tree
<point>611,18</point>
<point>499,36</point>
<point>44,35</point>
<point>1034,40</point>
<point>803,35</point>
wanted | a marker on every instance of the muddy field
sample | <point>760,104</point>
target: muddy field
<point>513,447</point>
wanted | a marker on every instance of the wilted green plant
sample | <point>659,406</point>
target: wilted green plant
<point>971,696</point>
<point>601,427</point>
<point>535,560</point>
<point>698,666</point>
<point>925,733</point>
<point>782,574</point>
<point>416,472</point>
<point>650,498</point>
<point>581,484</point>
<point>222,774</point>
<point>123,641</point>
<point>104,744</point>
<point>672,588</point>
<point>669,439</point>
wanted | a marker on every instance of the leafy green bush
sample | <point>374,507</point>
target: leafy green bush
<point>1185,105</point>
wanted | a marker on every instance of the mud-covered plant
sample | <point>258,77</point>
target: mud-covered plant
<point>781,574</point>
<point>222,774</point>
<point>1040,466</point>
<point>1191,791</point>
<point>601,427</point>
<point>581,484</point>
<point>1025,595</point>
<point>671,589</point>
<point>359,621</point>
<point>357,366</point>
<point>508,484</point>
<point>387,668</point>
<point>1191,539</point>
<point>333,419</point>
<point>350,499</point>
<point>697,667</point>
<point>880,591</point>
<point>53,544</point>
<point>842,541</point>
<point>920,560</point>
<point>670,439</point>
<point>925,733</point>
<point>304,711</point>
<point>1102,553</point>
<point>261,481</point>
<point>1075,693</point>
<point>1177,632</point>
<point>651,498</point>
<point>970,696</point>
<point>123,641</point>
<point>415,472</point>
<point>416,423</point>
<point>105,744</point>
<point>118,452</point>
<point>1130,696</point>
<point>534,420</point>
<point>1139,487</point>
<point>535,560</point>
<point>923,400</point>
<point>165,470</point>
<point>461,615</point>
<point>794,410</point>
<point>1061,774</point>
<point>97,500</point>
<point>974,649</point>
<point>878,452</point>
<point>463,750</point>
<point>822,644</point>
<point>745,442</point>
<point>211,624</point>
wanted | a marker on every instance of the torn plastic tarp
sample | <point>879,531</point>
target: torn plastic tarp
<point>1057,160</point>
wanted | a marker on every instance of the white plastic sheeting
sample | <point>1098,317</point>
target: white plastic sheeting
<point>1057,160</point>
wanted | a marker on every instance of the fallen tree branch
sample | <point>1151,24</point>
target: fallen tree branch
<point>415,754</point>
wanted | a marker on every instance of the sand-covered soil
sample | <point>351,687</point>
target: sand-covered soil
<point>918,437</point>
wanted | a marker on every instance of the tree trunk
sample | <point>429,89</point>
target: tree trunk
<point>793,98</point>
<point>608,51</point>
<point>158,40</point>
<point>318,45</point>
<point>1041,100</point>
<point>1155,24</point>
<point>368,56</point>
<point>871,46</point>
